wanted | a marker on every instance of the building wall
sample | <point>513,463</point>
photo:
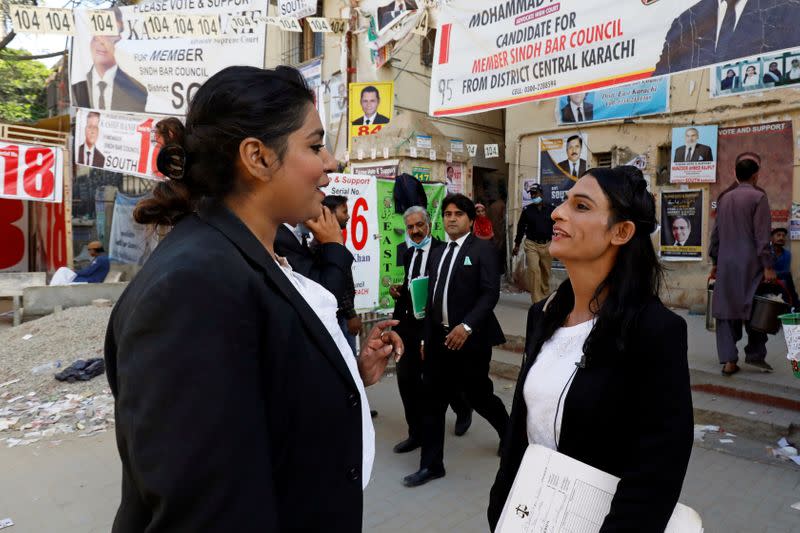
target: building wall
<point>690,103</point>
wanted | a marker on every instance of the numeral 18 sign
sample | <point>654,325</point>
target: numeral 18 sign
<point>31,172</point>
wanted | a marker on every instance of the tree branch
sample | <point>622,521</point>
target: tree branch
<point>7,57</point>
<point>7,39</point>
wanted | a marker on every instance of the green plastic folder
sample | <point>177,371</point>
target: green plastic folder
<point>419,296</point>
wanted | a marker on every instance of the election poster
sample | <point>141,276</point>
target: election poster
<point>387,14</point>
<point>129,242</point>
<point>646,97</point>
<point>525,192</point>
<point>771,145</point>
<point>755,74</point>
<point>694,151</point>
<point>423,174</point>
<point>52,233</point>
<point>393,234</point>
<point>34,173</point>
<point>13,235</point>
<point>139,65</point>
<point>117,142</point>
<point>682,225</point>
<point>562,160</point>
<point>384,169</point>
<point>337,86</point>
<point>297,9</point>
<point>491,54</point>
<point>454,178</point>
<point>361,236</point>
<point>372,107</point>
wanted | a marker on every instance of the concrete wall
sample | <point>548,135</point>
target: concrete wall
<point>690,103</point>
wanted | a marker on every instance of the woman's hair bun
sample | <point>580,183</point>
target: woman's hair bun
<point>171,161</point>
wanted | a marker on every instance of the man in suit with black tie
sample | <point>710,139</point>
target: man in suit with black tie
<point>693,151</point>
<point>574,166</point>
<point>88,154</point>
<point>416,262</point>
<point>392,10</point>
<point>370,100</point>
<point>107,86</point>
<point>577,109</point>
<point>460,330</point>
<point>715,31</point>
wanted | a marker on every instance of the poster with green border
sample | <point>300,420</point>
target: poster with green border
<point>393,231</point>
<point>423,174</point>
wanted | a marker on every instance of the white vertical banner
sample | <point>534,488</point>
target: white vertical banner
<point>361,236</point>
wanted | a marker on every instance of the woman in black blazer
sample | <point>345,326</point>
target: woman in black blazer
<point>237,406</point>
<point>625,406</point>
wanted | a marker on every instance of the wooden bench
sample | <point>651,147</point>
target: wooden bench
<point>13,284</point>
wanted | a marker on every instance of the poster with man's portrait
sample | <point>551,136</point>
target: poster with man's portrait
<point>694,154</point>
<point>371,107</point>
<point>454,178</point>
<point>682,225</point>
<point>562,160</point>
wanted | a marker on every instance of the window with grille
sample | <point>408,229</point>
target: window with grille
<point>602,159</point>
<point>299,47</point>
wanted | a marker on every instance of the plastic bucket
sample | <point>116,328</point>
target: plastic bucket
<point>791,333</point>
<point>765,314</point>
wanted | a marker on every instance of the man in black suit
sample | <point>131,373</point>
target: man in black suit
<point>460,330</point>
<point>416,262</point>
<point>715,31</point>
<point>682,234</point>
<point>692,151</point>
<point>370,100</point>
<point>574,166</point>
<point>577,109</point>
<point>392,10</point>
<point>107,86</point>
<point>88,154</point>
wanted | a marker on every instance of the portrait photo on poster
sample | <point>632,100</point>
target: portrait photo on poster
<point>682,225</point>
<point>645,97</point>
<point>694,151</point>
<point>371,107</point>
<point>774,71</point>
<point>562,160</point>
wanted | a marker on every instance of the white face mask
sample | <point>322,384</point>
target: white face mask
<point>412,244</point>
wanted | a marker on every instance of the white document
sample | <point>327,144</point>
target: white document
<point>554,493</point>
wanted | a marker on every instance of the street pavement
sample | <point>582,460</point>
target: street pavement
<point>73,487</point>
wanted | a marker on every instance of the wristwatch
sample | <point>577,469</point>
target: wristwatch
<point>467,328</point>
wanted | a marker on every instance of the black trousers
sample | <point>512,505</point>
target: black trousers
<point>445,372</point>
<point>409,383</point>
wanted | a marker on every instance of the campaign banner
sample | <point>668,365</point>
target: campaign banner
<point>362,234</point>
<point>694,151</point>
<point>771,143</point>
<point>13,235</point>
<point>385,169</point>
<point>762,73</point>
<point>141,68</point>
<point>393,234</point>
<point>52,227</point>
<point>337,86</point>
<point>492,54</point>
<point>297,8</point>
<point>646,97</point>
<point>34,173</point>
<point>387,15</point>
<point>117,142</point>
<point>129,242</point>
<point>454,176</point>
<point>682,225</point>
<point>423,174</point>
<point>562,160</point>
<point>372,107</point>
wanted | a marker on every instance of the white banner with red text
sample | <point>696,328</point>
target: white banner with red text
<point>33,173</point>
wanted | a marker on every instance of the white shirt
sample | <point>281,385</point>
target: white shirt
<point>459,244</point>
<point>552,373</point>
<point>87,154</point>
<point>574,168</point>
<point>369,120</point>
<point>575,109</point>
<point>753,79</point>
<point>108,77</point>
<point>324,305</point>
<point>723,7</point>
<point>297,231</point>
<point>794,74</point>
<point>425,253</point>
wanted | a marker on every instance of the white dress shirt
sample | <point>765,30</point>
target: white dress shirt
<point>370,120</point>
<point>324,305</point>
<point>108,77</point>
<point>456,250</point>
<point>575,168</point>
<point>723,8</point>
<point>575,109</point>
<point>426,250</point>
<point>550,376</point>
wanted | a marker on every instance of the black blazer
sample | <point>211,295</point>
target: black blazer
<point>329,264</point>
<point>128,94</point>
<point>568,116</point>
<point>235,409</point>
<point>402,307</point>
<point>473,292</point>
<point>630,416</point>
<point>701,153</point>
<point>98,159</point>
<point>379,119</point>
<point>582,167</point>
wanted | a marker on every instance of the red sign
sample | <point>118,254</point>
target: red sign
<point>14,236</point>
<point>33,173</point>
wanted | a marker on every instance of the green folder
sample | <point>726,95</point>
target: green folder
<point>419,296</point>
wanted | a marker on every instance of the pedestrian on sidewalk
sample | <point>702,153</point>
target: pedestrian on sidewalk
<point>742,258</point>
<point>783,262</point>
<point>606,374</point>
<point>536,227</point>
<point>239,404</point>
<point>416,263</point>
<point>460,330</point>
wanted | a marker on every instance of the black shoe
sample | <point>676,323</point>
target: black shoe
<point>422,476</point>
<point>463,423</point>
<point>373,413</point>
<point>761,365</point>
<point>408,445</point>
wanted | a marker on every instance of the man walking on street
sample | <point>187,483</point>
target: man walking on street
<point>460,330</point>
<point>742,258</point>
<point>416,262</point>
<point>783,262</point>
<point>536,227</point>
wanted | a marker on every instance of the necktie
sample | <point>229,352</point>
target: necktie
<point>88,157</point>
<point>304,238</point>
<point>574,170</point>
<point>726,30</point>
<point>580,115</point>
<point>438,296</point>
<point>416,269</point>
<point>367,121</point>
<point>689,155</point>
<point>102,101</point>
